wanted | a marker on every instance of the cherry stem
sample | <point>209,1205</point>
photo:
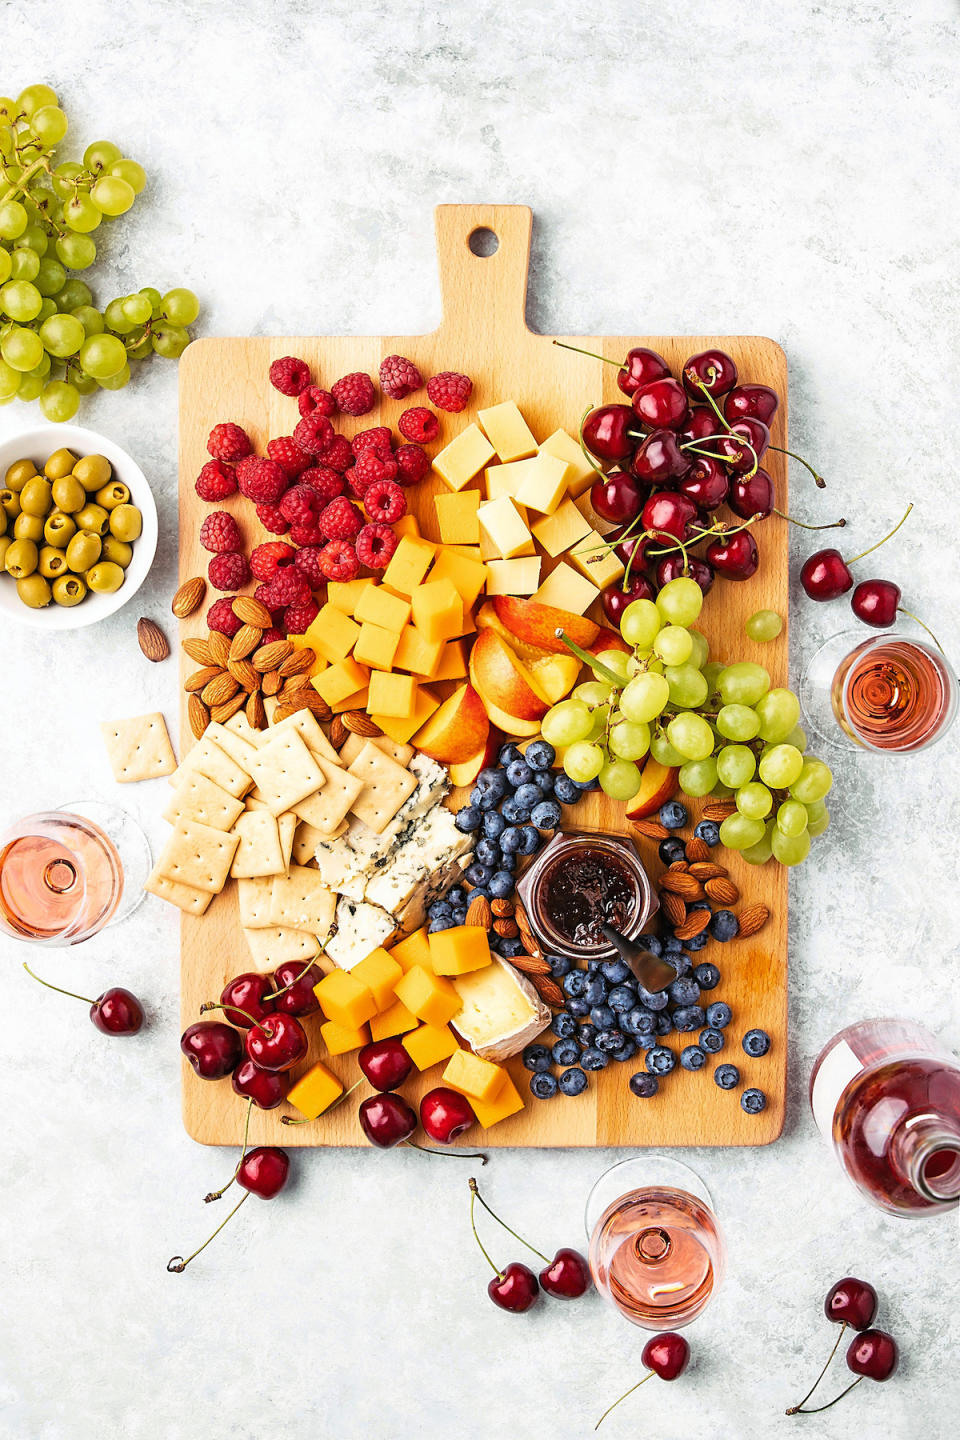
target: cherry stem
<point>309,1119</point>
<point>889,536</point>
<point>833,525</point>
<point>796,1410</point>
<point>72,993</point>
<point>592,354</point>
<point>218,1194</point>
<point>901,610</point>
<point>596,665</point>
<point>473,1227</point>
<point>176,1265</point>
<point>712,455</point>
<point>648,1376</point>
<point>254,1024</point>
<point>584,447</point>
<point>475,1191</point>
<point>457,1154</point>
<point>819,481</point>
<point>275,994</point>
<point>708,396</point>
<point>836,1345</point>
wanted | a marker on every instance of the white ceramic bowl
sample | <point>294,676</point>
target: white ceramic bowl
<point>37,445</point>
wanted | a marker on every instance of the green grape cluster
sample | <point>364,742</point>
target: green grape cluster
<point>722,725</point>
<point>55,345</point>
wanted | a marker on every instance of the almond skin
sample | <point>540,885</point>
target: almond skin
<point>219,648</point>
<point>198,650</point>
<point>479,912</point>
<point>270,657</point>
<point>243,671</point>
<point>695,923</point>
<point>549,990</point>
<point>219,690</point>
<point>722,890</point>
<point>255,712</point>
<point>271,682</point>
<point>246,640</point>
<point>189,597</point>
<point>222,713</point>
<point>297,662</point>
<point>152,640</point>
<point>338,736</point>
<point>198,715</point>
<point>202,677</point>
<point>673,907</point>
<point>752,919</point>
<point>697,849</point>
<point>719,810</point>
<point>652,829</point>
<point>359,723</point>
<point>252,612</point>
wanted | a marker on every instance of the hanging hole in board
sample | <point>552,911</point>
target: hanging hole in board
<point>484,243</point>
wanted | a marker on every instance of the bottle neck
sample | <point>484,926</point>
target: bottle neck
<point>926,1151</point>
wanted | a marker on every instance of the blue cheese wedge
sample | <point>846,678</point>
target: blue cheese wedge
<point>430,846</point>
<point>501,1013</point>
<point>361,928</point>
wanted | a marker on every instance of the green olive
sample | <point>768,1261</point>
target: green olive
<point>112,495</point>
<point>35,496</point>
<point>93,517</point>
<point>28,527</point>
<point>3,522</point>
<point>83,551</point>
<point>52,562</point>
<point>117,550</point>
<point>18,474</point>
<point>68,494</point>
<point>105,577</point>
<point>10,503</point>
<point>69,590</point>
<point>93,471</point>
<point>61,462</point>
<point>34,591</point>
<point>59,529</point>
<point>126,522</point>
<point>21,559</point>
<point>5,543</point>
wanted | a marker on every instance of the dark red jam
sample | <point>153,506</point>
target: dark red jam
<point>585,889</point>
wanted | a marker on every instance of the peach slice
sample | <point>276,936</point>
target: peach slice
<point>533,623</point>
<point>455,731</point>
<point>555,675</point>
<point>503,679</point>
<point>658,783</point>
<point>464,772</point>
<point>512,725</point>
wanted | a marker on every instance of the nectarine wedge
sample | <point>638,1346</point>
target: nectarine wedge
<point>457,730</point>
<point>464,772</point>
<point>658,783</point>
<point>502,679</point>
<point>536,624</point>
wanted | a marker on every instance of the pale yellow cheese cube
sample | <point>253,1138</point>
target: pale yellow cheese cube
<point>580,473</point>
<point>505,479</point>
<point>599,565</point>
<point>513,577</point>
<point>545,484</point>
<point>595,521</point>
<point>464,457</point>
<point>504,526</point>
<point>507,431</point>
<point>457,517</point>
<point>566,589</point>
<point>561,530</point>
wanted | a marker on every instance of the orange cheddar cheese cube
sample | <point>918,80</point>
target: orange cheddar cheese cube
<point>396,1020</point>
<point>428,996</point>
<point>338,1039</point>
<point>357,700</point>
<point>413,950</point>
<point>380,973</point>
<point>376,646</point>
<point>438,610</point>
<point>457,517</point>
<point>507,1101</point>
<point>416,653</point>
<point>379,606</point>
<point>401,728</point>
<point>409,563</point>
<point>476,1078</point>
<point>392,694</point>
<point>341,679</point>
<point>345,594</point>
<point>467,575</point>
<point>406,525</point>
<point>458,950</point>
<point>315,1091</point>
<point>452,664</point>
<point>429,1044</point>
<point>345,999</point>
<point>333,634</point>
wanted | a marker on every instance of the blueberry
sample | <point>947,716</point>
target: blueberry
<point>490,781</point>
<point>712,1041</point>
<point>501,884</point>
<point>508,753</point>
<point>672,944</point>
<point>660,1060</point>
<point>664,1023</point>
<point>575,983</point>
<point>518,773</point>
<point>478,890</point>
<point>460,915</point>
<point>603,1017</point>
<point>727,1077</point>
<point>478,874</point>
<point>560,965</point>
<point>456,897</point>
<point>753,1101</point>
<point>564,1025</point>
<point>709,832</point>
<point>625,1050</point>
<point>510,945</point>
<point>565,1052</point>
<point>540,755</point>
<point>616,971</point>
<point>639,1021</point>
<point>584,786</point>
<point>487,852</point>
<point>573,1082</point>
<point>510,840</point>
<point>707,976</point>
<point>670,850</point>
<point>680,962</point>
<point>724,925</point>
<point>468,819</point>
<point>643,1085</point>
<point>593,1059</point>
<point>508,863</point>
<point>697,942</point>
<point>547,815</point>
<point>565,790</point>
<point>597,989</point>
<point>530,840</point>
<point>446,922</point>
<point>578,1007</point>
<point>546,780</point>
<point>653,943</point>
<point>476,795</point>
<point>654,999</point>
<point>622,997</point>
<point>688,1017</point>
<point>673,815</point>
<point>692,1057</point>
<point>586,1035</point>
<point>536,1057</point>
<point>528,794</point>
<point>756,1043</point>
<point>438,909</point>
<point>543,1085</point>
<point>512,810</point>
<point>684,991</point>
<point>719,1015</point>
<point>700,905</point>
<point>493,824</point>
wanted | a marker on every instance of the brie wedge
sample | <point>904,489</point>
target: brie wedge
<point>502,1012</point>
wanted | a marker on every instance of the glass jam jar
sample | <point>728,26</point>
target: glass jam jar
<point>580,881</point>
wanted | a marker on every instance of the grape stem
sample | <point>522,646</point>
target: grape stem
<point>592,660</point>
<point>21,184</point>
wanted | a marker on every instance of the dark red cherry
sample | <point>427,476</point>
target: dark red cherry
<point>875,602</point>
<point>824,575</point>
<point>515,1288</point>
<point>751,496</point>
<point>617,497</point>
<point>700,423</point>
<point>632,550</point>
<point>567,1276</point>
<point>605,432</point>
<point>743,445</point>
<point>213,1048</point>
<point>117,1012</point>
<point>385,1063</point>
<point>662,404</point>
<point>297,980</point>
<point>707,484</point>
<point>248,992</point>
<point>873,1353</point>
<point>734,556</point>
<point>715,370</point>
<point>276,1043</point>
<point>640,367</point>
<point>666,1355</point>
<point>445,1114</point>
<point>667,513</point>
<point>757,401</point>
<point>615,599</point>
<point>659,458</point>
<point>265,1088</point>
<point>387,1120</point>
<point>264,1171</point>
<point>851,1302</point>
<point>672,566</point>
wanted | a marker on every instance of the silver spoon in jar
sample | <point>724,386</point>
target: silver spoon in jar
<point>653,973</point>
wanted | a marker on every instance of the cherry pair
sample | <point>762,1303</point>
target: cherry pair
<point>266,1007</point>
<point>872,1354</point>
<point>515,1287</point>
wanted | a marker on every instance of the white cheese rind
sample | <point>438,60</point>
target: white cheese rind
<point>502,1012</point>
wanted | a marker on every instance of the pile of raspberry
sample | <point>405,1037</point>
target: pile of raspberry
<point>334,500</point>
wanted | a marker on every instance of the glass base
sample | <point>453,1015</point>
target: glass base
<point>130,843</point>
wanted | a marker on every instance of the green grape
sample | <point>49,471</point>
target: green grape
<point>735,765</point>
<point>780,766</point>
<point>643,660</point>
<point>698,777</point>
<point>48,307</point>
<point>141,349</point>
<point>663,752</point>
<point>629,741</point>
<point>81,214</point>
<point>798,738</point>
<point>691,736</point>
<point>640,623</point>
<point>737,722</point>
<point>128,170</point>
<point>813,782</point>
<point>743,683</point>
<point>21,349</point>
<point>9,381</point>
<point>763,625</point>
<point>51,277</point>
<point>181,307</point>
<point>643,699</point>
<point>34,97</point>
<point>566,723</point>
<point>103,356</point>
<point>100,154</point>
<point>792,818</point>
<point>116,382</point>
<point>701,649</point>
<point>754,800</point>
<point>62,335</point>
<point>7,141</point>
<point>13,219</point>
<point>712,672</point>
<point>35,238</point>
<point>114,197</point>
<point>83,384</point>
<point>24,264</point>
<point>760,853</point>
<point>155,298</point>
<point>790,849</point>
<point>620,779</point>
<point>90,318</point>
<point>673,645</point>
<point>116,320</point>
<point>8,108</point>
<point>778,710</point>
<point>30,387</point>
<point>59,401</point>
<point>73,294</point>
<point>21,300</point>
<point>64,179</point>
<point>615,660</point>
<point>680,601</point>
<point>815,809</point>
<point>817,827</point>
<point>136,308</point>
<point>77,252</point>
<point>6,265</point>
<point>583,762</point>
<point>688,689</point>
<point>739,832</point>
<point>49,124</point>
<point>598,722</point>
<point>594,692</point>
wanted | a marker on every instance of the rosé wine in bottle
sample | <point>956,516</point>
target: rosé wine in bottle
<point>886,1094</point>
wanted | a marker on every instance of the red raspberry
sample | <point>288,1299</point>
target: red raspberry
<point>375,546</point>
<point>262,593</point>
<point>289,375</point>
<point>220,617</point>
<point>308,534</point>
<point>262,481</point>
<point>412,464</point>
<point>216,481</point>
<point>314,401</point>
<point>354,393</point>
<point>370,467</point>
<point>229,570</point>
<point>307,559</point>
<point>266,558</point>
<point>313,433</point>
<point>301,505</point>
<point>419,425</point>
<point>229,442</point>
<point>399,377</point>
<point>272,518</point>
<point>385,501</point>
<point>220,531</point>
<point>449,391</point>
<point>287,453</point>
<point>378,439</point>
<point>327,483</point>
<point>338,561</point>
<point>341,520</point>
<point>299,618</point>
<point>274,633</point>
<point>338,455</point>
<point>288,587</point>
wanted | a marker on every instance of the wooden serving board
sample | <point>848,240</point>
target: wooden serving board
<point>484,334</point>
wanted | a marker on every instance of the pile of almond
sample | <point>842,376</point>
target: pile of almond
<point>509,919</point>
<point>699,877</point>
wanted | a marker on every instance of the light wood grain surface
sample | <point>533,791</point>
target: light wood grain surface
<point>484,333</point>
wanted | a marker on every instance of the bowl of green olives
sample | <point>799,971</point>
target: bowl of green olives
<point>78,527</point>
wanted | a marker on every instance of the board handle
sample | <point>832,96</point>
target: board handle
<point>483,255</point>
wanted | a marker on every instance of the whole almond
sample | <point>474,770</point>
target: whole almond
<point>719,810</point>
<point>339,734</point>
<point>697,849</point>
<point>198,715</point>
<point>303,700</point>
<point>706,870</point>
<point>752,919</point>
<point>271,682</point>
<point>652,829</point>
<point>297,662</point>
<point>530,944</point>
<point>252,612</point>
<point>530,965</point>
<point>244,672</point>
<point>219,648</point>
<point>270,657</point>
<point>222,713</point>
<point>722,890</point>
<point>246,640</point>
<point>479,913</point>
<point>686,886</point>
<point>219,690</point>
<point>202,677</point>
<point>674,908</point>
<point>695,924</point>
<point>198,650</point>
<point>358,722</point>
<point>506,926</point>
<point>679,867</point>
<point>255,713</point>
<point>295,683</point>
<point>501,907</point>
<point>549,991</point>
<point>189,597</point>
<point>520,915</point>
<point>152,640</point>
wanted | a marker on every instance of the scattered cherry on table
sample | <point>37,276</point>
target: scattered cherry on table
<point>515,1287</point>
<point>665,1355</point>
<point>114,1012</point>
